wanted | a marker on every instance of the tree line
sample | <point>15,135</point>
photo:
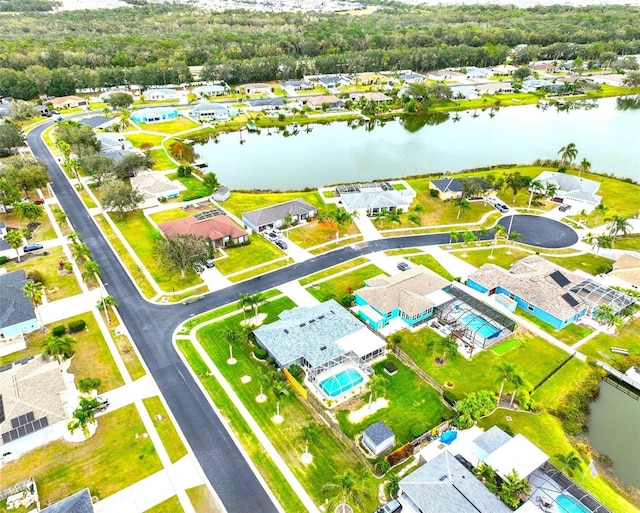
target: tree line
<point>56,53</point>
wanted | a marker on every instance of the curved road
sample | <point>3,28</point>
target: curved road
<point>151,326</point>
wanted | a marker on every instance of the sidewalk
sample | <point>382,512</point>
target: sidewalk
<point>366,226</point>
<point>456,266</point>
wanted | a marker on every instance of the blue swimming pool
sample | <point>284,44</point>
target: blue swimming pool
<point>479,324</point>
<point>341,382</point>
<point>569,504</point>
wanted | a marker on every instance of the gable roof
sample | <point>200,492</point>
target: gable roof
<point>77,503</point>
<point>448,184</point>
<point>151,112</point>
<point>15,307</point>
<point>208,107</point>
<point>444,484</point>
<point>214,228</point>
<point>96,121</point>
<point>379,432</point>
<point>627,268</point>
<point>67,99</point>
<point>153,183</point>
<point>407,291</point>
<point>262,216</point>
<point>162,90</point>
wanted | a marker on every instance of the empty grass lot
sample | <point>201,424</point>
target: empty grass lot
<point>502,256</point>
<point>314,233</point>
<point>172,126</point>
<point>333,270</point>
<point>161,161</point>
<point>109,461</point>
<point>171,505</point>
<point>331,457</point>
<point>141,235</point>
<point>534,357</point>
<point>141,138</point>
<point>412,402</point>
<point>343,284</point>
<point>167,431</point>
<point>56,285</point>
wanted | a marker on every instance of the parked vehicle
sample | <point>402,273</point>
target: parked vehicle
<point>32,247</point>
<point>209,263</point>
<point>501,207</point>
<point>281,244</point>
<point>404,266</point>
<point>39,201</point>
<point>390,507</point>
<point>102,403</point>
<point>564,207</point>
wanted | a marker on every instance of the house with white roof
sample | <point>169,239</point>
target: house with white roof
<point>160,94</point>
<point>210,90</point>
<point>410,77</point>
<point>375,197</point>
<point>154,114</point>
<point>580,193</point>
<point>258,88</point>
<point>154,185</point>
<point>211,112</point>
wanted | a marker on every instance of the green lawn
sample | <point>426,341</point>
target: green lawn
<point>502,256</point>
<point>240,202</point>
<point>201,499</point>
<point>565,379</point>
<point>412,402</point>
<point>141,236</point>
<point>343,284</point>
<point>169,215</point>
<point>86,199</point>
<point>171,505</point>
<point>167,431</point>
<point>314,233</point>
<point>331,457</point>
<point>173,126</point>
<point>587,262</point>
<point>129,356</point>
<point>431,263</point>
<point>260,270</point>
<point>534,357</point>
<point>631,242</point>
<point>260,251</point>
<point>139,139</point>
<point>195,188</point>
<point>56,285</point>
<point>109,461</point>
<point>569,334</point>
<point>333,270</point>
<point>161,161</point>
<point>627,338</point>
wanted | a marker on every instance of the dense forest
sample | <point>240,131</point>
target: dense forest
<point>54,53</point>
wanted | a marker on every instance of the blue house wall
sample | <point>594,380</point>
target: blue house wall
<point>388,316</point>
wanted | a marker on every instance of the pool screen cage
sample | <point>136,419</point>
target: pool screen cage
<point>349,357</point>
<point>596,294</point>
<point>453,312</point>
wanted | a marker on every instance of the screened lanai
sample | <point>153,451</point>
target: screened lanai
<point>596,294</point>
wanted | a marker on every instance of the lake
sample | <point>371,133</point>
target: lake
<point>613,430</point>
<point>341,152</point>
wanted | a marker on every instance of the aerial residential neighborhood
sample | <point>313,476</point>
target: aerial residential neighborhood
<point>424,300</point>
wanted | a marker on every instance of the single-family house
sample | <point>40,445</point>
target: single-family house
<point>626,269</point>
<point>68,102</point>
<point>213,225</point>
<point>378,438</point>
<point>221,194</point>
<point>448,188</point>
<point>17,314</point>
<point>334,81</point>
<point>369,78</point>
<point>42,110</point>
<point>154,114</point>
<point>154,186</point>
<point>375,197</point>
<point>114,145</point>
<point>323,339</point>
<point>257,88</point>
<point>211,112</point>
<point>545,67</point>
<point>410,77</point>
<point>495,88</point>
<point>442,75</point>
<point>210,90</point>
<point>98,122</point>
<point>504,69</point>
<point>580,193</point>
<point>465,91</point>
<point>370,97</point>
<point>406,299</point>
<point>161,94</point>
<point>289,212</point>
<point>77,503</point>
<point>323,102</point>
<point>297,85</point>
<point>535,84</point>
<point>475,73</point>
<point>267,104</point>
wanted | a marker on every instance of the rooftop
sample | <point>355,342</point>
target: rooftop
<point>214,228</point>
<point>378,432</point>
<point>77,503</point>
<point>267,215</point>
<point>15,307</point>
<point>570,186</point>
<point>448,184</point>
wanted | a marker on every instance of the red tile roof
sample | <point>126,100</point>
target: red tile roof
<point>215,228</point>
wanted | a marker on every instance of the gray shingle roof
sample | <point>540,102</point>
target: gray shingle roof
<point>77,503</point>
<point>267,102</point>
<point>15,307</point>
<point>448,184</point>
<point>378,432</point>
<point>491,440</point>
<point>278,212</point>
<point>443,484</point>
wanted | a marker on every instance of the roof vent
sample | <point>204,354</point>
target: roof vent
<point>303,324</point>
<point>322,348</point>
<point>443,478</point>
<point>321,317</point>
<point>286,331</point>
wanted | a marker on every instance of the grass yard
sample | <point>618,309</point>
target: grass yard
<point>557,385</point>
<point>431,263</point>
<point>631,242</point>
<point>138,139</point>
<point>173,126</point>
<point>195,188</point>
<point>240,202</point>
<point>501,256</point>
<point>56,285</point>
<point>569,334</point>
<point>43,232</point>
<point>171,505</point>
<point>86,199</point>
<point>333,270</point>
<point>343,284</point>
<point>201,499</point>
<point>141,236</point>
<point>161,160</point>
<point>587,262</point>
<point>128,355</point>
<point>331,457</point>
<point>125,257</point>
<point>314,233</point>
<point>167,431</point>
<point>534,357</point>
<point>109,461</point>
<point>599,347</point>
<point>259,270</point>
<point>169,215</point>
<point>260,251</point>
<point>412,402</point>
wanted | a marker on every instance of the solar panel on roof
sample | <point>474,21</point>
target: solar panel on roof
<point>2,417</point>
<point>571,301</point>
<point>559,278</point>
<point>6,367</point>
<point>26,429</point>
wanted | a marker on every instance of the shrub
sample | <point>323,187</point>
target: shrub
<point>86,385</point>
<point>450,397</point>
<point>3,260</point>
<point>260,353</point>
<point>58,331</point>
<point>295,370</point>
<point>76,326</point>
<point>35,275</point>
<point>434,193</point>
<point>400,455</point>
<point>68,266</point>
<point>271,360</point>
<point>347,300</point>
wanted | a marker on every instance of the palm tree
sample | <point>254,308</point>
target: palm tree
<point>377,385</point>
<point>381,215</point>
<point>80,251</point>
<point>280,389</point>
<point>550,190</point>
<point>382,467</point>
<point>394,217</point>
<point>619,224</point>
<point>568,154</point>
<point>256,300</point>
<point>602,241</point>
<point>487,476</point>
<point>517,381</point>
<point>232,337</point>
<point>309,433</point>
<point>347,487</point>
<point>499,232</point>
<point>15,240</point>
<point>393,485</point>
<point>513,489</point>
<point>35,292</point>
<point>535,187</point>
<point>453,237</point>
<point>462,204</point>
<point>415,219</point>
<point>600,209</point>
<point>84,416</point>
<point>585,166</point>
<point>59,348</point>
<point>244,303</point>
<point>91,272</point>
<point>468,237</point>
<point>507,370</point>
<point>570,461</point>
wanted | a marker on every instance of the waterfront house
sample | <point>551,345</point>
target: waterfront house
<point>154,114</point>
<point>323,102</point>
<point>211,112</point>
<point>221,194</point>
<point>448,188</point>
<point>275,216</point>
<point>580,193</point>
<point>370,97</point>
<point>17,314</point>
<point>211,225</point>
<point>153,186</point>
<point>373,198</point>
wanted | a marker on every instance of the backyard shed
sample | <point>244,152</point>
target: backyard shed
<point>378,438</point>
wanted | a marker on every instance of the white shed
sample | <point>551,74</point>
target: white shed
<point>378,438</point>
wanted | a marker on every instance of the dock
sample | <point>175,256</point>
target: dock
<point>631,387</point>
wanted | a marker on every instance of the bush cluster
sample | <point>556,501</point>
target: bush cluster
<point>58,331</point>
<point>399,455</point>
<point>76,326</point>
<point>260,353</point>
<point>574,407</point>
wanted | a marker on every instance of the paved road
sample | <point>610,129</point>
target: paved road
<point>151,327</point>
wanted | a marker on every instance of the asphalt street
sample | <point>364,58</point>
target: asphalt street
<point>151,327</point>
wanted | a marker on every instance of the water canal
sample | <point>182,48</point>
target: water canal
<point>340,152</point>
